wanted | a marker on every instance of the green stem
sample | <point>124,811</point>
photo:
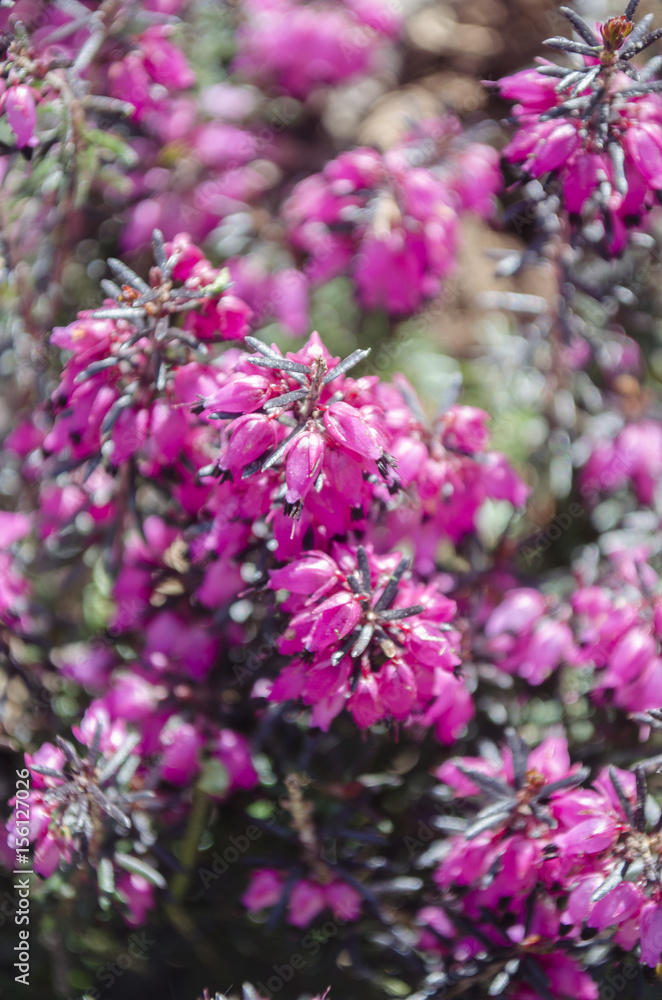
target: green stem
<point>196,825</point>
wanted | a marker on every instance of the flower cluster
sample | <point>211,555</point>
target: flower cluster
<point>597,125</point>
<point>119,393</point>
<point>333,451</point>
<point>391,220</point>
<point>57,63</point>
<point>299,47</point>
<point>548,861</point>
<point>85,810</point>
<point>305,898</point>
<point>368,637</point>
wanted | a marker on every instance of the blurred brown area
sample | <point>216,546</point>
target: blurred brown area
<point>468,304</point>
<point>485,37</point>
<point>450,48</point>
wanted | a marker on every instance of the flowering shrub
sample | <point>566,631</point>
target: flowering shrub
<point>330,600</point>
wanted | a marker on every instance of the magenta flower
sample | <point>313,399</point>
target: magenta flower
<point>322,440</point>
<point>300,47</point>
<point>164,61</point>
<point>651,935</point>
<point>307,897</point>
<point>76,798</point>
<point>265,889</point>
<point>233,751</point>
<point>19,106</point>
<point>307,900</point>
<point>524,639</point>
<point>402,228</point>
<point>14,587</point>
<point>181,742</point>
<point>370,644</point>
<point>567,980</point>
<point>597,127</point>
<point>138,896</point>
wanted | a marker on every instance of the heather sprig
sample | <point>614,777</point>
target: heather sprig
<point>93,812</point>
<point>367,633</point>
<point>593,132</point>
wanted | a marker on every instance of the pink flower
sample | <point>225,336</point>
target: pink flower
<point>520,610</point>
<point>524,639</point>
<point>303,465</point>
<point>651,934</point>
<point>164,62</point>
<point>343,900</point>
<point>251,436</point>
<point>363,606</point>
<point>589,836</point>
<point>138,894</point>
<point>347,427</point>
<point>604,141</point>
<point>181,744</point>
<point>306,901</point>
<point>301,47</point>
<point>47,856</point>
<point>330,622</point>
<point>312,575</point>
<point>265,889</point>
<point>365,703</point>
<point>465,429</point>
<point>233,751</point>
<point>21,114</point>
<point>244,394</point>
<point>566,978</point>
<point>13,527</point>
<point>48,756</point>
